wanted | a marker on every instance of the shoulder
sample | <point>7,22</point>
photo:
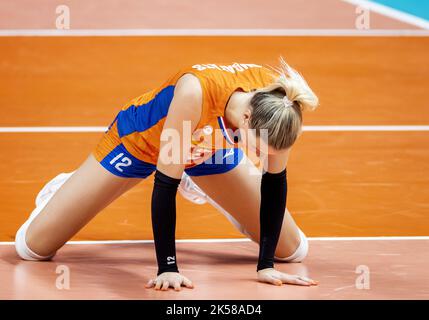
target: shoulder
<point>189,86</point>
<point>187,100</point>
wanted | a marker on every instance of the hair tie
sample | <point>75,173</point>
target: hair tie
<point>287,102</point>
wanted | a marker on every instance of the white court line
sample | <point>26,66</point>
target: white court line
<point>365,128</point>
<point>391,13</point>
<point>52,129</point>
<point>213,32</point>
<point>327,128</point>
<point>393,238</point>
<point>237,240</point>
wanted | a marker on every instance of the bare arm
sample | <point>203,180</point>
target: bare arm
<point>185,109</point>
<point>277,162</point>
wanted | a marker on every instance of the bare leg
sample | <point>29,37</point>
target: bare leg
<point>90,189</point>
<point>244,205</point>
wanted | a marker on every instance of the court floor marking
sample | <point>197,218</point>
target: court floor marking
<point>213,32</point>
<point>325,128</point>
<point>392,238</point>
<point>391,13</point>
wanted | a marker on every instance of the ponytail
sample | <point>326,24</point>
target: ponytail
<point>278,107</point>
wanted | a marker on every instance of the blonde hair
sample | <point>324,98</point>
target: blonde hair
<point>278,107</point>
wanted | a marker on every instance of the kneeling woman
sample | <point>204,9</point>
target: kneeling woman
<point>240,101</point>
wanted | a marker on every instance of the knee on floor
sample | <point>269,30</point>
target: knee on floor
<point>300,252</point>
<point>22,248</point>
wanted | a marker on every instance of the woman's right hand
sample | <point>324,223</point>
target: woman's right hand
<point>272,276</point>
<point>169,279</point>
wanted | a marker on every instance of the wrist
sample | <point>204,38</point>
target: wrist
<point>169,269</point>
<point>264,265</point>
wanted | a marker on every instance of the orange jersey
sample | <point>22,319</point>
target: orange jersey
<point>140,122</point>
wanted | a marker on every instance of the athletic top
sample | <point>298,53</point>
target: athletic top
<point>140,122</point>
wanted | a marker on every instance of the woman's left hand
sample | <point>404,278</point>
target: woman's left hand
<point>272,276</point>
